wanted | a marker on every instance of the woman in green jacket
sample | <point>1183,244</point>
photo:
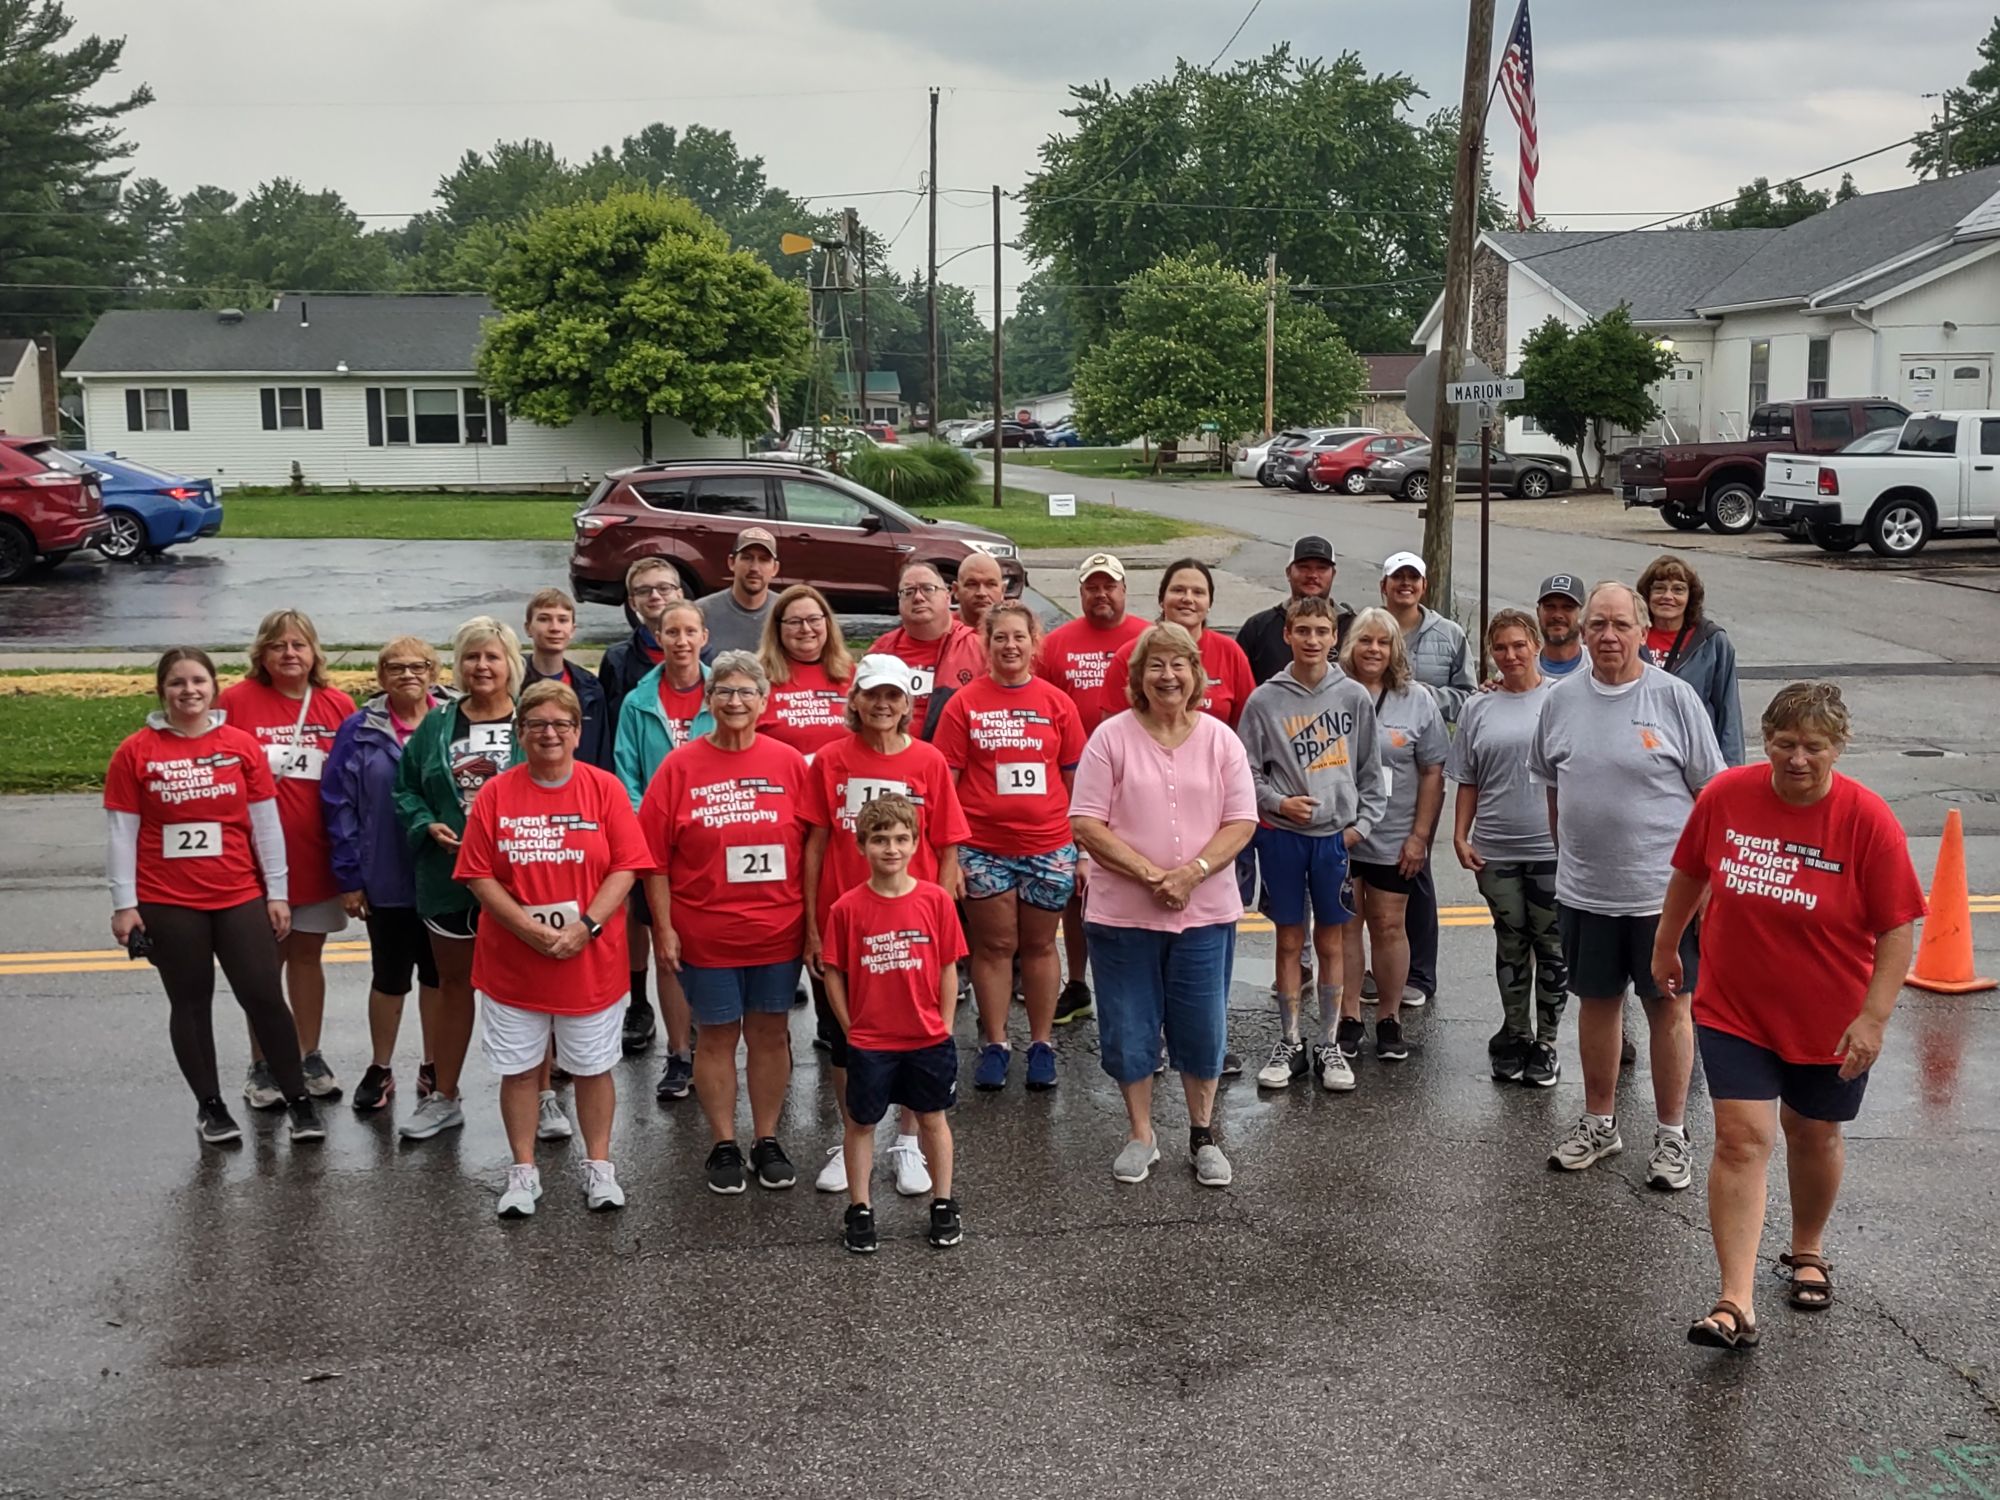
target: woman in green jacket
<point>450,756</point>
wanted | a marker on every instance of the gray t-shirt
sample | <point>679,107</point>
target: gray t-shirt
<point>1510,820</point>
<point>1410,735</point>
<point>731,627</point>
<point>1626,763</point>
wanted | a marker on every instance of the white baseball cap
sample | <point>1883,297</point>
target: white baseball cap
<point>883,670</point>
<point>1395,562</point>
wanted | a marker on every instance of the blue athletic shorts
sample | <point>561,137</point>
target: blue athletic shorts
<point>719,997</point>
<point>924,1079</point>
<point>1042,880</point>
<point>1738,1068</point>
<point>1298,870</point>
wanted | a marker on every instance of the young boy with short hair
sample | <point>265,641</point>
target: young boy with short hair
<point>892,949</point>
<point>551,623</point>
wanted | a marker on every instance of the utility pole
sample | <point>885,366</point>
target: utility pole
<point>1944,168</point>
<point>999,446</point>
<point>861,238</point>
<point>1457,303</point>
<point>1270,342</point>
<point>930,285</point>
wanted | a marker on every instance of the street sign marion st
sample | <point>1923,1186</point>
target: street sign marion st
<point>1483,392</point>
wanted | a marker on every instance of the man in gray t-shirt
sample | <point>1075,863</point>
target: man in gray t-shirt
<point>735,616</point>
<point>1622,749</point>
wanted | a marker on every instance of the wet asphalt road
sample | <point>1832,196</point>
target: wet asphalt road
<point>1396,1297</point>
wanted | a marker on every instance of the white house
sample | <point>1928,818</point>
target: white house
<point>1048,409</point>
<point>374,392</point>
<point>1889,294</point>
<point>21,412</point>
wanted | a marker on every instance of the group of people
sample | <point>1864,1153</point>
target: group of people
<point>736,804</point>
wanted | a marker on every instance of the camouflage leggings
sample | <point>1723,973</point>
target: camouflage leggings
<point>1528,950</point>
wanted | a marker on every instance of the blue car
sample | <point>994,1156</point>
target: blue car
<point>1064,437</point>
<point>150,509</point>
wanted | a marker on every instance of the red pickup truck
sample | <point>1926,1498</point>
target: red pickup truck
<point>1717,484</point>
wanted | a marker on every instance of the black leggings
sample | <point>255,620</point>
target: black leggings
<point>187,944</point>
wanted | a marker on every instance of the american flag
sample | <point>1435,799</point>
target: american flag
<point>1517,82</point>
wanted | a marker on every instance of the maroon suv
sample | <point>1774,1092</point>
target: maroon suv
<point>46,512</point>
<point>846,541</point>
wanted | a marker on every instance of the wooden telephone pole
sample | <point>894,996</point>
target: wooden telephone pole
<point>1270,342</point>
<point>930,285</point>
<point>999,446</point>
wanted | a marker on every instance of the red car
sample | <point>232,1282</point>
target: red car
<point>1346,467</point>
<point>46,512</point>
<point>882,432</point>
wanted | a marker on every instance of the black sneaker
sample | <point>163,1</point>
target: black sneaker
<point>1350,1035</point>
<point>1509,1052</point>
<point>1389,1043</point>
<point>774,1168</point>
<point>427,1080</point>
<point>725,1168</point>
<point>215,1125</point>
<point>376,1089</point>
<point>639,1028</point>
<point>859,1234</point>
<point>1074,1003</point>
<point>675,1079</point>
<point>302,1121</point>
<point>946,1227</point>
<point>1540,1065</point>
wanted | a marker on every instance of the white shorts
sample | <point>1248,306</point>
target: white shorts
<point>322,917</point>
<point>516,1040</point>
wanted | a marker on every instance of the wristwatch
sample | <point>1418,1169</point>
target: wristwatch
<point>591,925</point>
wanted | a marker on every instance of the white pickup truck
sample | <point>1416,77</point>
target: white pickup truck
<point>1942,477</point>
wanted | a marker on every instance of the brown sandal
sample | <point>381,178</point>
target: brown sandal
<point>1710,1333</point>
<point>1809,1296</point>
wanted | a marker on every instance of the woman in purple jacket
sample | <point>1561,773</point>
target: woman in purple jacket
<point>371,857</point>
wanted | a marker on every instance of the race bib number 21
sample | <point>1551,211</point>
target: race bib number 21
<point>755,864</point>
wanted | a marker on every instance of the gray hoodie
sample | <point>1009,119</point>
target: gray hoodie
<point>1316,742</point>
<point>1441,659</point>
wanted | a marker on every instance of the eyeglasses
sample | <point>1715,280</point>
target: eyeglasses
<point>407,668</point>
<point>803,622</point>
<point>919,590</point>
<point>549,726</point>
<point>733,694</point>
<point>647,590</point>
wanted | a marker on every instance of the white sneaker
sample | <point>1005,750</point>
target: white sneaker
<point>554,1124</point>
<point>1288,1061</point>
<point>437,1113</point>
<point>913,1177</point>
<point>1672,1165</point>
<point>1587,1143</point>
<point>524,1186</point>
<point>1414,998</point>
<point>1336,1074</point>
<point>600,1187</point>
<point>833,1176</point>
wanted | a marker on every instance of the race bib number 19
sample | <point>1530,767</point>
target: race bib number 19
<point>1021,778</point>
<point>755,864</point>
<point>191,840</point>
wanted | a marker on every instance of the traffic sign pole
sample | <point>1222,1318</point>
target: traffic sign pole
<point>1485,532</point>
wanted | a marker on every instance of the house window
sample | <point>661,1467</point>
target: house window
<point>156,408</point>
<point>1760,372</point>
<point>290,407</point>
<point>1530,426</point>
<point>1819,356</point>
<point>397,404</point>
<point>433,416</point>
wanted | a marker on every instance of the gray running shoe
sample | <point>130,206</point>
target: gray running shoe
<point>1135,1162</point>
<point>524,1187</point>
<point>260,1089</point>
<point>551,1124</point>
<point>320,1082</point>
<point>438,1113</point>
<point>1586,1144</point>
<point>600,1187</point>
<point>1211,1167</point>
<point>1672,1165</point>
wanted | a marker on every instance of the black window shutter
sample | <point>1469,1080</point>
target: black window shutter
<point>268,396</point>
<point>374,416</point>
<point>180,399</point>
<point>135,411</point>
<point>496,423</point>
<point>313,418</point>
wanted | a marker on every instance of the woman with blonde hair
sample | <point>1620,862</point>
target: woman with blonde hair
<point>290,707</point>
<point>452,755</point>
<point>805,655</point>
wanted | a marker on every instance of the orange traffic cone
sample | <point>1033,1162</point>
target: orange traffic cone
<point>1944,957</point>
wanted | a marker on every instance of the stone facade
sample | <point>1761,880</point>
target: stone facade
<point>1385,411</point>
<point>1487,335</point>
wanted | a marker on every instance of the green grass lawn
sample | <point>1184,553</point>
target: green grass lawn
<point>1106,463</point>
<point>1024,516</point>
<point>52,744</point>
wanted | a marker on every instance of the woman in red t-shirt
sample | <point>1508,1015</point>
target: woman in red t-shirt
<point>1013,740</point>
<point>197,865</point>
<point>805,655</point>
<point>290,707</point>
<point>724,819</point>
<point>1804,945</point>
<point>1187,590</point>
<point>551,849</point>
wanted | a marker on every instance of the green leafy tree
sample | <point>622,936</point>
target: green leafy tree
<point>1318,161</point>
<point>1582,382</point>
<point>1190,349</point>
<point>280,238</point>
<point>633,306</point>
<point>63,240</point>
<point>1975,118</point>
<point>1761,206</point>
<point>1041,339</point>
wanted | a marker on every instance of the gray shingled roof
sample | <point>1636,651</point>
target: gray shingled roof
<point>374,335</point>
<point>1850,237</point>
<point>11,353</point>
<point>1662,273</point>
<point>1944,255</point>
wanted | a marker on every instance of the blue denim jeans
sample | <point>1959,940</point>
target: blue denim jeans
<point>1151,982</point>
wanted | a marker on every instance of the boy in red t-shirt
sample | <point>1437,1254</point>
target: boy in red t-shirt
<point>892,949</point>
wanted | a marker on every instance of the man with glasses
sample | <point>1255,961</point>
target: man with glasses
<point>978,587</point>
<point>651,584</point>
<point>735,615</point>
<point>942,654</point>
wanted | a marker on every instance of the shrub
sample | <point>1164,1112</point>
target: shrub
<point>915,473</point>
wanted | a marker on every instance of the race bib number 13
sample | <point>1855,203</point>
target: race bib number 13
<point>755,864</point>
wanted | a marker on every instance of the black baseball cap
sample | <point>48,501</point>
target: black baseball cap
<point>1566,584</point>
<point>1312,549</point>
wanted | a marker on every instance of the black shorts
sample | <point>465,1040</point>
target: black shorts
<point>925,1080</point>
<point>1740,1069</point>
<point>398,947</point>
<point>637,906</point>
<point>457,926</point>
<point>1605,954</point>
<point>830,1030</point>
<point>1385,878</point>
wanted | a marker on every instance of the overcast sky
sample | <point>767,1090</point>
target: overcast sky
<point>1645,108</point>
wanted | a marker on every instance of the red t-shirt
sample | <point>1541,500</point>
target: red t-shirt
<point>728,827</point>
<point>295,752</point>
<point>1229,679</point>
<point>193,799</point>
<point>1660,642</point>
<point>1010,746</point>
<point>1076,657</point>
<point>807,713</point>
<point>892,951</point>
<point>1797,897</point>
<point>551,848</point>
<point>953,660</point>
<point>848,774</point>
<point>681,706</point>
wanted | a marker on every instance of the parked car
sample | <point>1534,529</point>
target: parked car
<point>1940,478</point>
<point>1407,475</point>
<point>1717,484</point>
<point>1062,433</point>
<point>846,541</point>
<point>1346,467</point>
<point>816,445</point>
<point>48,508</point>
<point>1253,461</point>
<point>1777,513</point>
<point>150,510</point>
<point>1012,435</point>
<point>1292,464</point>
<point>881,432</point>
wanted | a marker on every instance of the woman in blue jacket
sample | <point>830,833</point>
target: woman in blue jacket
<point>1684,641</point>
<point>371,856</point>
